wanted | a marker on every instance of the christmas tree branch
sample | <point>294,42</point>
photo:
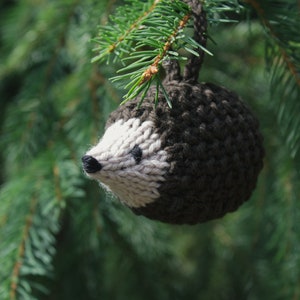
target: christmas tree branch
<point>15,276</point>
<point>96,112</point>
<point>112,40</point>
<point>61,40</point>
<point>154,68</point>
<point>281,20</point>
<point>146,40</point>
<point>143,35</point>
<point>57,187</point>
<point>267,24</point>
<point>143,77</point>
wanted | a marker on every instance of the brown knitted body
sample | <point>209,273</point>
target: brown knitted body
<point>213,147</point>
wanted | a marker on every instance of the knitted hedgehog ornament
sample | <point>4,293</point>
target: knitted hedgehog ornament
<point>187,164</point>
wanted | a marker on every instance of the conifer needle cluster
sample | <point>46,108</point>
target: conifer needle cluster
<point>142,35</point>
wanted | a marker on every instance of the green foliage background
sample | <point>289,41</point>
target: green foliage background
<point>62,237</point>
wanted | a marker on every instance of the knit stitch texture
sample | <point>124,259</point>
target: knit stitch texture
<point>132,160</point>
<point>213,147</point>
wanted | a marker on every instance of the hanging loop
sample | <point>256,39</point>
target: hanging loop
<point>172,69</point>
<point>193,66</point>
<point>194,63</point>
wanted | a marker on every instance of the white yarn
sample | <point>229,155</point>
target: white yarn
<point>136,184</point>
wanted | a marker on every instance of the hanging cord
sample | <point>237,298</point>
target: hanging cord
<point>172,69</point>
<point>193,65</point>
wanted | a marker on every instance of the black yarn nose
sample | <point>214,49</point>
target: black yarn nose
<point>90,164</point>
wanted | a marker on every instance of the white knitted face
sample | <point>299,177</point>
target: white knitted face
<point>132,161</point>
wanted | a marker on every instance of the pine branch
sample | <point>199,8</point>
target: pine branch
<point>218,11</point>
<point>33,220</point>
<point>15,277</point>
<point>116,39</point>
<point>142,42</point>
<point>143,36</point>
<point>154,68</point>
<point>14,232</point>
<point>277,27</point>
<point>146,64</point>
<point>281,20</point>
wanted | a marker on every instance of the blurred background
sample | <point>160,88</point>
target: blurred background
<point>62,237</point>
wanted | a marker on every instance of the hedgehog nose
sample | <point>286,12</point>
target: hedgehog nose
<point>90,164</point>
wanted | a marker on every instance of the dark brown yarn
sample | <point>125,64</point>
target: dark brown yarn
<point>191,69</point>
<point>212,139</point>
<point>214,148</point>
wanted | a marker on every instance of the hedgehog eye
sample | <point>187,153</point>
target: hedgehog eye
<point>137,153</point>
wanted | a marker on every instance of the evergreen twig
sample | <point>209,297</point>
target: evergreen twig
<point>116,39</point>
<point>281,20</point>
<point>143,35</point>
<point>287,58</point>
<point>15,276</point>
<point>145,41</point>
<point>143,77</point>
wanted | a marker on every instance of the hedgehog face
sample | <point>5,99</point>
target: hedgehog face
<point>129,161</point>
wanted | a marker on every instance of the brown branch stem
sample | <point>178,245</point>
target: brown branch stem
<point>21,251</point>
<point>260,12</point>
<point>153,69</point>
<point>57,187</point>
<point>134,25</point>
